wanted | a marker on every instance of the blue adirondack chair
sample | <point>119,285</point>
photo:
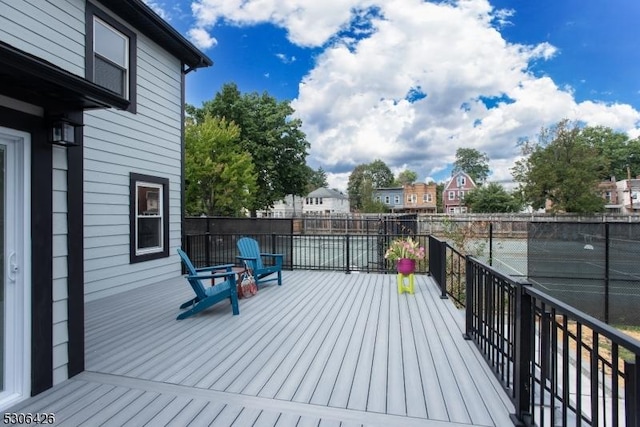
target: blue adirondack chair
<point>251,255</point>
<point>208,296</point>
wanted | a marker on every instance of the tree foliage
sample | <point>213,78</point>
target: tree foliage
<point>473,163</point>
<point>219,176</point>
<point>277,145</point>
<point>491,198</point>
<point>316,179</point>
<point>364,179</point>
<point>621,155</point>
<point>564,168</point>
<point>406,177</point>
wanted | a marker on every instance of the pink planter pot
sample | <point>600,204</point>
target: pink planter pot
<point>406,266</point>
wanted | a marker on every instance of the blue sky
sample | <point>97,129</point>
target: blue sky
<point>410,81</point>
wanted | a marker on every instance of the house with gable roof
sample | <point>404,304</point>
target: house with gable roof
<point>454,192</point>
<point>91,153</point>
<point>326,201</point>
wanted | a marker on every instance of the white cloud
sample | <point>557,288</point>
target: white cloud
<point>201,38</point>
<point>355,104</point>
<point>159,9</point>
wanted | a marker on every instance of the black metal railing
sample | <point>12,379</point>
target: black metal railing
<point>559,365</point>
<point>447,267</point>
<point>348,253</point>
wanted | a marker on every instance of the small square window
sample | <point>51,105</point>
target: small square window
<point>149,217</point>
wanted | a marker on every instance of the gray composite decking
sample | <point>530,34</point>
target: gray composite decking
<point>324,349</point>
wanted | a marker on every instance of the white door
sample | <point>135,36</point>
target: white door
<point>15,267</point>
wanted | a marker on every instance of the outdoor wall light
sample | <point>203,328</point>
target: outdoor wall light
<point>62,131</point>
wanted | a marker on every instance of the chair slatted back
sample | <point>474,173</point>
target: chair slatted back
<point>248,247</point>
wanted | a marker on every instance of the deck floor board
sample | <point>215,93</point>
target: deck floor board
<point>323,349</point>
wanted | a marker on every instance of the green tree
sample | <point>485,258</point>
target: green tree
<point>219,176</point>
<point>277,145</point>
<point>491,198</point>
<point>563,168</point>
<point>472,162</point>
<point>406,177</point>
<point>364,179</point>
<point>621,155</point>
<point>439,202</point>
<point>316,179</point>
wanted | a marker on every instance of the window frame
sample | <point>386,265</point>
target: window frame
<point>136,255</point>
<point>92,12</point>
<point>452,195</point>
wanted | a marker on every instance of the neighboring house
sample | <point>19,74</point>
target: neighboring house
<point>98,217</point>
<point>629,195</point>
<point>290,207</point>
<point>325,201</point>
<point>609,191</point>
<point>419,198</point>
<point>454,192</point>
<point>391,197</point>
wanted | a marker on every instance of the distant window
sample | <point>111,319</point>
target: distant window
<point>461,195</point>
<point>396,200</point>
<point>452,195</point>
<point>387,200</point>
<point>461,180</point>
<point>452,210</point>
<point>427,198</point>
<point>110,54</point>
<point>149,217</point>
<point>412,198</point>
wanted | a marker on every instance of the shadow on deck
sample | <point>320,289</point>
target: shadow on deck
<point>326,348</point>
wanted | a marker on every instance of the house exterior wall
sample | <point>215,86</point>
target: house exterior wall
<point>53,31</point>
<point>60,252</point>
<point>420,197</point>
<point>117,143</point>
<point>81,195</point>
<point>317,205</point>
<point>629,195</point>
<point>289,207</point>
<point>454,191</point>
<point>393,198</point>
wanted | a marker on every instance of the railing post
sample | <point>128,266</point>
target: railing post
<point>606,273</point>
<point>632,393</point>
<point>274,249</point>
<point>523,356</point>
<point>348,257</point>
<point>443,270</point>
<point>490,243</point>
<point>469,302</point>
<point>207,249</point>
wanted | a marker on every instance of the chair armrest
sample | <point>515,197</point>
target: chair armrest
<point>247,258</point>
<point>229,274</point>
<point>216,267</point>
<point>272,255</point>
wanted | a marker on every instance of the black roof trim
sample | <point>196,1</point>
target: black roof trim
<point>31,79</point>
<point>146,20</point>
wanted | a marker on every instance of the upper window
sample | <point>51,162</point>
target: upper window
<point>452,195</point>
<point>396,200</point>
<point>149,222</point>
<point>426,197</point>
<point>110,54</point>
<point>461,181</point>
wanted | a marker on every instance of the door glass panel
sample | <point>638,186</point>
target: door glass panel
<point>2,255</point>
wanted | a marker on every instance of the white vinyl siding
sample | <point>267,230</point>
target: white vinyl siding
<point>53,31</point>
<point>118,143</point>
<point>60,273</point>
